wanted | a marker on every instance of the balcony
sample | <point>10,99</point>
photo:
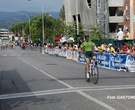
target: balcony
<point>116,3</point>
<point>116,19</point>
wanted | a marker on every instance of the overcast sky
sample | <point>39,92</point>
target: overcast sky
<point>33,5</point>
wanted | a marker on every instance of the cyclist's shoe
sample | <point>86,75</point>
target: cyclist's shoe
<point>87,75</point>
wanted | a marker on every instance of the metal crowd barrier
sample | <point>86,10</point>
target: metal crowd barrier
<point>116,62</point>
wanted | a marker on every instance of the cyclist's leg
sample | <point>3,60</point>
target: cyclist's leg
<point>95,59</point>
<point>90,56</point>
<point>87,65</point>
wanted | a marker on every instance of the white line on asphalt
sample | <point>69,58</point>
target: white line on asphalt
<point>12,52</point>
<point>37,68</point>
<point>12,55</point>
<point>65,90</point>
<point>4,55</point>
<point>34,67</point>
<point>70,87</point>
<point>97,101</point>
<point>56,79</point>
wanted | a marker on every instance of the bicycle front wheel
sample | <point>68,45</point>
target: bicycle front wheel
<point>95,74</point>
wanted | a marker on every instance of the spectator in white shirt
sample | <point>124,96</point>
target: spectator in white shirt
<point>120,35</point>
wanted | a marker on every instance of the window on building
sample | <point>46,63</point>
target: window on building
<point>89,3</point>
<point>99,3</point>
<point>79,18</point>
<point>74,17</point>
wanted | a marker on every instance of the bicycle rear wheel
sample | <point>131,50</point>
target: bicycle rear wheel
<point>95,75</point>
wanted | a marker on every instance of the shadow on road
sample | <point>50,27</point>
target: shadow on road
<point>11,82</point>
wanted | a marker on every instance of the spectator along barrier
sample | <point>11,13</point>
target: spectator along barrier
<point>116,62</point>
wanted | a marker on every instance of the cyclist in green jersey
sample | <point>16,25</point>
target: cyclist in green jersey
<point>88,49</point>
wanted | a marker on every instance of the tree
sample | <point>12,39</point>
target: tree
<point>70,29</point>
<point>52,27</point>
<point>17,28</point>
<point>62,13</point>
<point>36,29</point>
<point>96,32</point>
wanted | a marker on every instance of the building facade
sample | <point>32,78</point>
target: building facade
<point>111,14</point>
<point>132,18</point>
<point>83,11</point>
<point>118,16</point>
<point>4,33</point>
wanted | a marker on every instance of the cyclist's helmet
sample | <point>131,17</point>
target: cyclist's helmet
<point>86,36</point>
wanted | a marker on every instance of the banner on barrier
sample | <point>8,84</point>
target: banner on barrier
<point>103,59</point>
<point>130,64</point>
<point>118,61</point>
<point>81,58</point>
<point>111,61</point>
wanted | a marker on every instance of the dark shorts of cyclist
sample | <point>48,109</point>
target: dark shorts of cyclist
<point>90,55</point>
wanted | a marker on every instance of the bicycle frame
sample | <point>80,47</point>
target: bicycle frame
<point>91,65</point>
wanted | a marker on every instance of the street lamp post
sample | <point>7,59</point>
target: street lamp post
<point>43,33</point>
<point>77,17</point>
<point>29,38</point>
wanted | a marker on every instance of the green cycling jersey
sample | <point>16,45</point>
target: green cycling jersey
<point>87,46</point>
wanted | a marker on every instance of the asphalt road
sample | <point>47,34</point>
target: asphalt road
<point>33,81</point>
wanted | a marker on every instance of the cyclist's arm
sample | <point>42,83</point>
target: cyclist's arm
<point>82,50</point>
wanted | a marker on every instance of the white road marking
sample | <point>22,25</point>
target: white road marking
<point>56,79</point>
<point>37,68</point>
<point>12,55</point>
<point>9,55</point>
<point>34,66</point>
<point>65,90</point>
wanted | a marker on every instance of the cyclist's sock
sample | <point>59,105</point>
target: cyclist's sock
<point>88,76</point>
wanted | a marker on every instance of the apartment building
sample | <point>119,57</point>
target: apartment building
<point>121,15</point>
<point>111,14</point>
<point>4,33</point>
